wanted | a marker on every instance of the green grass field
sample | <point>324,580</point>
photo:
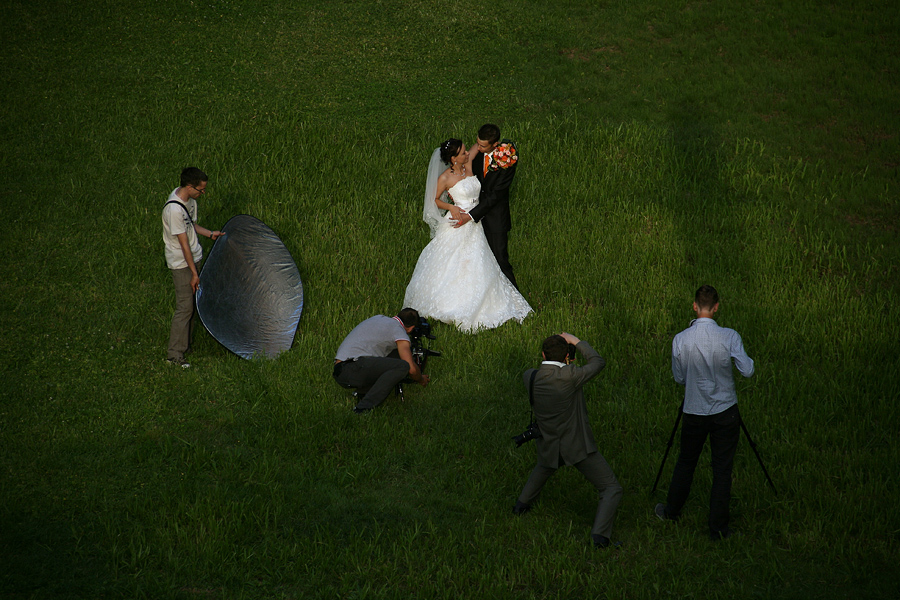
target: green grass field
<point>751,146</point>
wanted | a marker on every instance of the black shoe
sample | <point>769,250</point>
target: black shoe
<point>361,411</point>
<point>601,541</point>
<point>521,508</point>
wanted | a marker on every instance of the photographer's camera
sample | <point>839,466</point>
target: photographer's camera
<point>532,432</point>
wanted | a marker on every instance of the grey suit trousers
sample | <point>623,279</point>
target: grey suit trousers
<point>596,470</point>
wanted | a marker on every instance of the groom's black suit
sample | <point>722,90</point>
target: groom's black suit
<point>493,211</point>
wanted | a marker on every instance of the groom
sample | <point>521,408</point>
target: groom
<point>493,203</point>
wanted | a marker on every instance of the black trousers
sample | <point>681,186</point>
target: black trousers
<point>498,242</point>
<point>373,377</point>
<point>724,431</point>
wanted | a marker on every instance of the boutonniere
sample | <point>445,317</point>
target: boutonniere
<point>504,156</point>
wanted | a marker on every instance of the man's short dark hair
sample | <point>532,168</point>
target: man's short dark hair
<point>489,133</point>
<point>409,317</point>
<point>706,297</point>
<point>193,176</point>
<point>555,348</point>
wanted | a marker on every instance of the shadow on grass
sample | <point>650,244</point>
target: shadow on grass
<point>41,558</point>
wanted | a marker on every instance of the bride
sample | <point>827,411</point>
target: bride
<point>457,279</point>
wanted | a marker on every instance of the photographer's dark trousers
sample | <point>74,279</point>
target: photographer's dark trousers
<point>596,470</point>
<point>724,430</point>
<point>373,377</point>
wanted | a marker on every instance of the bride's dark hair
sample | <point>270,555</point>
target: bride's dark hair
<point>449,149</point>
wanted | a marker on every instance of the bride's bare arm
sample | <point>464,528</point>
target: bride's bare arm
<point>442,187</point>
<point>455,211</point>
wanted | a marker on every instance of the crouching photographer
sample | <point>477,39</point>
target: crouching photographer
<point>564,435</point>
<point>376,356</point>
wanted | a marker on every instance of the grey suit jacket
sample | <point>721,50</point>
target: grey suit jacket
<point>560,409</point>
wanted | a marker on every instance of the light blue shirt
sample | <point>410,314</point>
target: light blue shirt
<point>701,362</point>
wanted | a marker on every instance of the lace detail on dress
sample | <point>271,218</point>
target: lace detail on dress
<point>457,279</point>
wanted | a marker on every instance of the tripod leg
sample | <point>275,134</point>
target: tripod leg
<point>668,447</point>
<point>758,458</point>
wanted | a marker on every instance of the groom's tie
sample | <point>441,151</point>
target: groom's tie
<point>487,161</point>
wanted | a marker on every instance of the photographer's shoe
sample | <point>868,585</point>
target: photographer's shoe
<point>601,541</point>
<point>660,511</point>
<point>521,508</point>
<point>361,411</point>
<point>180,362</point>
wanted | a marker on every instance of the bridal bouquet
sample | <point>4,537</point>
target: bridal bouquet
<point>504,156</point>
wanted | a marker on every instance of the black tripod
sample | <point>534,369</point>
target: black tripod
<point>672,439</point>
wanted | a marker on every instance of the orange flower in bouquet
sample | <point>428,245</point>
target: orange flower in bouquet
<point>504,156</point>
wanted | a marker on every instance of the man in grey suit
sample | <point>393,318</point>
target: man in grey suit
<point>566,436</point>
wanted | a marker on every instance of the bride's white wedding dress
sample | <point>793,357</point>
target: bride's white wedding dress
<point>457,279</point>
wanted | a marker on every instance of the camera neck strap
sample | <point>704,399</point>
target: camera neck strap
<point>183,207</point>
<point>531,389</point>
<point>531,393</point>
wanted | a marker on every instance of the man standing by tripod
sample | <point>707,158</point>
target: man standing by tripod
<point>701,361</point>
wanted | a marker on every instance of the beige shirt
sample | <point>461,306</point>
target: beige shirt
<point>175,221</point>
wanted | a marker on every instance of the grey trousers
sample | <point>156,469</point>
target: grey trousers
<point>183,320</point>
<point>596,470</point>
